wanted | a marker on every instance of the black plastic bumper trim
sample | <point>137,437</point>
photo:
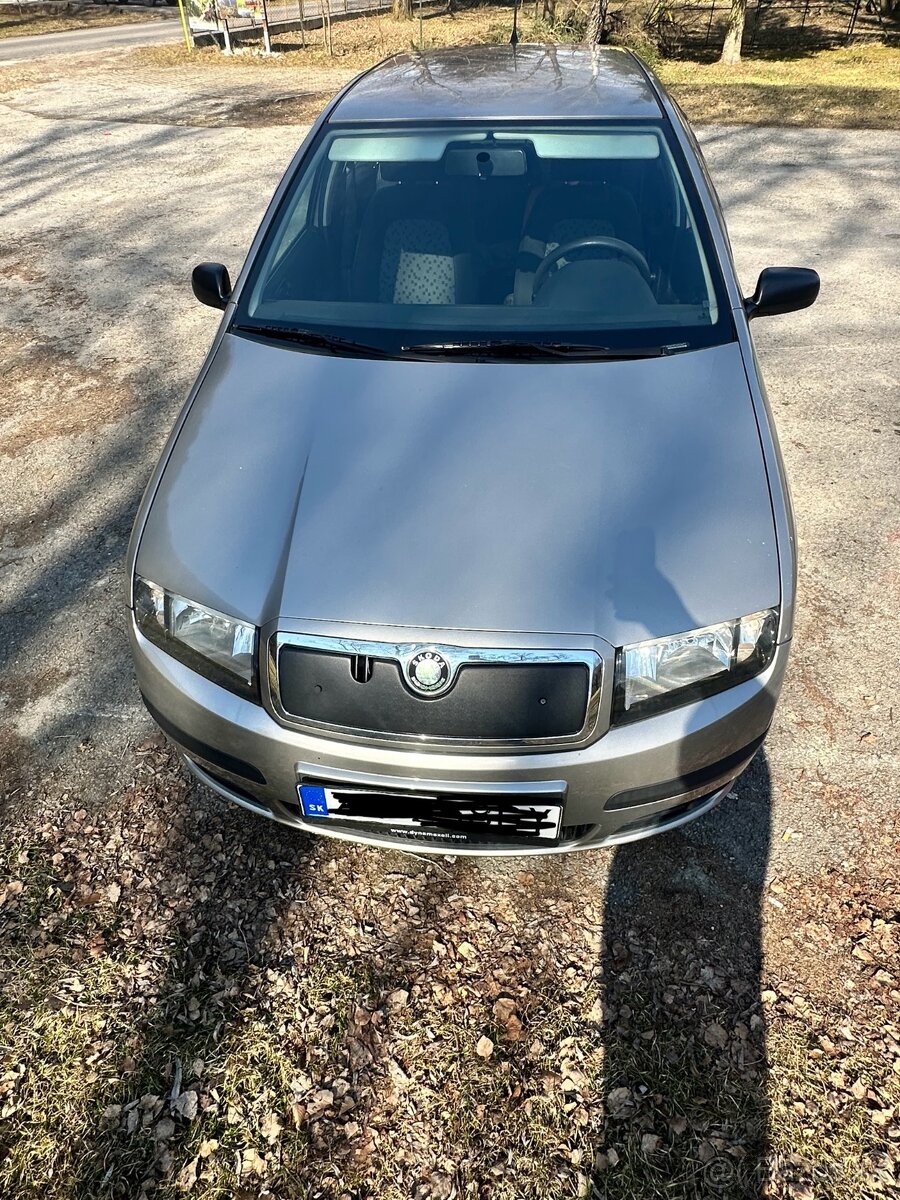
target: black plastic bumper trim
<point>234,766</point>
<point>684,783</point>
<point>665,817</point>
<point>209,776</point>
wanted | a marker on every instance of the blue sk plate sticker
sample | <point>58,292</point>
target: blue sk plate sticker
<point>314,800</point>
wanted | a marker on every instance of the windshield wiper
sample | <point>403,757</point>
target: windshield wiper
<point>315,339</point>
<point>532,350</point>
<point>499,347</point>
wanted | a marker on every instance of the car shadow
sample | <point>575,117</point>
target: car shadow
<point>684,1075</point>
<point>249,973</point>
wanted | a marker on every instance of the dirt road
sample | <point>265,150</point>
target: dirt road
<point>323,1004</point>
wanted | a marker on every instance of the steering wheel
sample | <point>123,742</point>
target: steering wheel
<point>614,245</point>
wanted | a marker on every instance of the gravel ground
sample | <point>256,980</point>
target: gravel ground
<point>104,206</point>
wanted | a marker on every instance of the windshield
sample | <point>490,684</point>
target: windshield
<point>434,237</point>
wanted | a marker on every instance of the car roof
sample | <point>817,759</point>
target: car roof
<point>506,82</point>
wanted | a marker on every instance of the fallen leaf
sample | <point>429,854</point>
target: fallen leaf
<point>187,1176</point>
<point>270,1127</point>
<point>513,1029</point>
<point>650,1143</point>
<point>618,1100</point>
<point>186,1105</point>
<point>485,1047</point>
<point>504,1008</point>
<point>252,1163</point>
<point>319,1102</point>
<point>164,1129</point>
<point>440,1187</point>
<point>207,1147</point>
<point>715,1035</point>
<point>801,1191</point>
<point>398,1076</point>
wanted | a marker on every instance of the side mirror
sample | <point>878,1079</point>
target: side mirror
<point>782,290</point>
<point>211,284</point>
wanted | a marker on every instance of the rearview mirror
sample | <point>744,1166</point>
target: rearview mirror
<point>782,290</point>
<point>211,284</point>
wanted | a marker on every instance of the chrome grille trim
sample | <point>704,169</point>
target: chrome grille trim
<point>456,656</point>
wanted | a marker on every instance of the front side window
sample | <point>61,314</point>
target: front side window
<point>401,238</point>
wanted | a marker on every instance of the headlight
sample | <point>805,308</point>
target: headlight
<point>219,647</point>
<point>664,673</point>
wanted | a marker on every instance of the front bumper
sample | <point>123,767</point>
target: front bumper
<point>633,781</point>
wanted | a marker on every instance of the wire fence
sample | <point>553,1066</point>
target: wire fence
<point>233,17</point>
<point>770,25</point>
<point>675,25</point>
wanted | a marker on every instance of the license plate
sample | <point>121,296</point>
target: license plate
<point>417,816</point>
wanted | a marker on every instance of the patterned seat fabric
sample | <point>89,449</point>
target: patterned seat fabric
<point>574,228</point>
<point>414,247</point>
<point>417,263</point>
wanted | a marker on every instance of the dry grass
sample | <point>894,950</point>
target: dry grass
<point>856,87</point>
<point>25,24</point>
<point>837,1142</point>
<point>357,43</point>
<point>22,75</point>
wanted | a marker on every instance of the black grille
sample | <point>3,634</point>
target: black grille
<point>504,702</point>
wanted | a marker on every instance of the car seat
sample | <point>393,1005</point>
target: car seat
<point>414,245</point>
<point>565,212</point>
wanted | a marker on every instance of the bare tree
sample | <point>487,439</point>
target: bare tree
<point>596,21</point>
<point>326,27</point>
<point>402,9</point>
<point>734,34</point>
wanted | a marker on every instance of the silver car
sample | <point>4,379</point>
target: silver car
<point>473,535</point>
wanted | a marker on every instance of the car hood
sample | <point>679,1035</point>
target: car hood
<point>623,500</point>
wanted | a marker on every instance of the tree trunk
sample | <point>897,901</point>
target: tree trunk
<point>596,22</point>
<point>734,34</point>
<point>326,23</point>
<point>402,9</point>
